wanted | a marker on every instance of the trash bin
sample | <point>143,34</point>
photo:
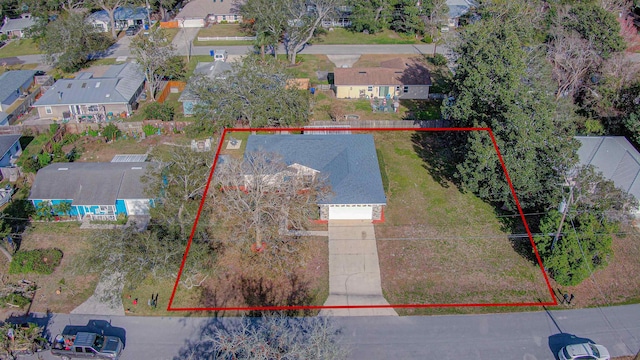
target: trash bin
<point>313,90</point>
<point>212,52</point>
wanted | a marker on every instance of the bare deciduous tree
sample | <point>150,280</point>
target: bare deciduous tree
<point>304,18</point>
<point>260,196</point>
<point>572,58</point>
<point>269,337</point>
<point>153,53</point>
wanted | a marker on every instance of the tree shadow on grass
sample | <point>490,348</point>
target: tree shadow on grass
<point>260,292</point>
<point>439,152</point>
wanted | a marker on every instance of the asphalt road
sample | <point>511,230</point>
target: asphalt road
<point>527,336</point>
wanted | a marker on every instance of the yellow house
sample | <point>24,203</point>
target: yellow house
<point>394,78</point>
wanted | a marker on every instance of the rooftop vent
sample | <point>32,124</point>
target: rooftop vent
<point>63,169</point>
<point>98,84</point>
<point>136,168</point>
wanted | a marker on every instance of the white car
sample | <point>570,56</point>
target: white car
<point>586,351</point>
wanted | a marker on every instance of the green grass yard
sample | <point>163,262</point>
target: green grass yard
<point>442,246</point>
<point>19,48</point>
<point>340,36</point>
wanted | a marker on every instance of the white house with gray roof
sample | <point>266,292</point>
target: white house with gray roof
<point>349,161</point>
<point>100,191</point>
<point>116,92</point>
<point>616,158</point>
<point>17,27</point>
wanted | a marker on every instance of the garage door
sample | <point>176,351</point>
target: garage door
<point>350,213</point>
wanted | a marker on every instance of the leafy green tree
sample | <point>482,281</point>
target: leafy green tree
<point>496,86</point>
<point>68,41</point>
<point>406,18</point>
<point>44,211</point>
<point>255,93</point>
<point>371,16</point>
<point>266,18</point>
<point>63,207</point>
<point>154,54</point>
<point>157,111</point>
<point>595,210</point>
<point>597,26</point>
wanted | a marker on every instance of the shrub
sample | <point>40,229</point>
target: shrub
<point>111,132</point>
<point>14,299</point>
<point>149,130</point>
<point>157,111</point>
<point>39,261</point>
<point>438,60</point>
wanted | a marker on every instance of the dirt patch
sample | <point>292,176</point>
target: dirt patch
<point>95,149</point>
<point>246,279</point>
<point>372,60</point>
<point>74,288</point>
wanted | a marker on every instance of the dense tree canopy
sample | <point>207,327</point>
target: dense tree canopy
<point>494,87</point>
<point>69,41</point>
<point>255,93</point>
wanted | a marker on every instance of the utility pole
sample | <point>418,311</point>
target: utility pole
<point>564,215</point>
<point>148,15</point>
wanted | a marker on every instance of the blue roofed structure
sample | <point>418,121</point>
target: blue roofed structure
<point>13,84</point>
<point>349,162</point>
<point>458,8</point>
<point>124,17</point>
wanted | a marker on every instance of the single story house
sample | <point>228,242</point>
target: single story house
<point>116,92</point>
<point>217,70</point>
<point>15,83</point>
<point>101,191</point>
<point>349,161</point>
<point>197,13</point>
<point>616,158</point>
<point>10,150</point>
<point>394,78</point>
<point>15,28</point>
<point>457,9</point>
<point>125,16</point>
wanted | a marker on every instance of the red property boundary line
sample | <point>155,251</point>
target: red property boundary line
<point>315,307</point>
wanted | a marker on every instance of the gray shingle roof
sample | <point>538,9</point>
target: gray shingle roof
<point>17,24</point>
<point>11,81</point>
<point>117,86</point>
<point>6,142</point>
<point>458,8</point>
<point>349,161</point>
<point>90,183</point>
<point>615,157</point>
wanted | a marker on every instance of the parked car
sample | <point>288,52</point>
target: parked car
<point>87,345</point>
<point>132,30</point>
<point>585,351</point>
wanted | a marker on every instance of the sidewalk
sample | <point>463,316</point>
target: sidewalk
<point>354,271</point>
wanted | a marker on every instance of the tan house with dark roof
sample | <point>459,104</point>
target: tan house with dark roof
<point>197,13</point>
<point>396,77</point>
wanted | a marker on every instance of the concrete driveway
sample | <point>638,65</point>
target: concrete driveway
<point>354,272</point>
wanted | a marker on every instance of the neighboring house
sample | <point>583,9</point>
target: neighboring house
<point>216,70</point>
<point>15,28</point>
<point>349,162</point>
<point>14,85</point>
<point>457,9</point>
<point>100,191</point>
<point>116,91</point>
<point>394,78</point>
<point>616,158</point>
<point>197,13</point>
<point>341,17</point>
<point>10,150</point>
<point>124,17</point>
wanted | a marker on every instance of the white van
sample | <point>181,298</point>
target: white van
<point>220,55</point>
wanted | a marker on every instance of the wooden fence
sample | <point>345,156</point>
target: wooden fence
<point>373,124</point>
<point>226,38</point>
<point>172,84</point>
<point>169,24</point>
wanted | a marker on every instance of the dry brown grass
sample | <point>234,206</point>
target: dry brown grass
<point>76,288</point>
<point>246,279</point>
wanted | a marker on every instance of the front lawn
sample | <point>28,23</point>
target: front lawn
<point>222,30</point>
<point>441,246</point>
<point>339,36</point>
<point>19,48</point>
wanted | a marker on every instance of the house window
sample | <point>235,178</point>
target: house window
<point>224,17</point>
<point>405,89</point>
<point>48,110</point>
<point>235,17</point>
<point>369,88</point>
